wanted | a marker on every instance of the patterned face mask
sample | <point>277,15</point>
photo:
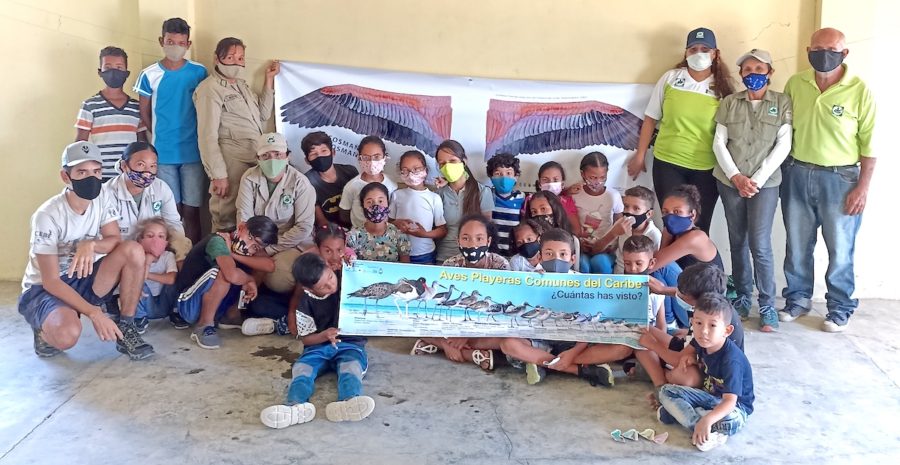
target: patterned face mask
<point>474,254</point>
<point>376,213</point>
<point>372,167</point>
<point>140,179</point>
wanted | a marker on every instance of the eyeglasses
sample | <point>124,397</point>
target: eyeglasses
<point>406,172</point>
<point>273,156</point>
<point>377,157</point>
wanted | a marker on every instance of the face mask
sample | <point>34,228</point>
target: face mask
<point>376,213</point>
<point>321,164</point>
<point>174,52</point>
<point>272,168</point>
<point>529,249</point>
<point>548,218</point>
<point>755,81</point>
<point>824,61</point>
<point>87,188</point>
<point>638,219</point>
<point>556,266</point>
<point>414,179</point>
<point>231,71</point>
<point>699,61</point>
<point>504,185</point>
<point>595,185</point>
<point>154,246</point>
<point>372,167</point>
<point>453,171</point>
<point>677,224</point>
<point>140,179</point>
<point>684,305</point>
<point>240,247</point>
<point>474,254</point>
<point>554,187</point>
<point>114,78</point>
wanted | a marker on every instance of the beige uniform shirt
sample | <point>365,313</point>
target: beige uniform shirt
<point>291,205</point>
<point>228,111</point>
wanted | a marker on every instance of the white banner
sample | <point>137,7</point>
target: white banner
<point>536,120</point>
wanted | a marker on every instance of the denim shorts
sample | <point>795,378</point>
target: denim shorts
<point>36,304</point>
<point>187,181</point>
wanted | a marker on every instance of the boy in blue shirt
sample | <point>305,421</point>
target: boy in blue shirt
<point>720,409</point>
<point>166,90</point>
<point>503,169</point>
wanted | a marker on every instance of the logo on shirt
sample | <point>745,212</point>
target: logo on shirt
<point>286,200</point>
<point>678,82</point>
<point>46,235</point>
<point>157,206</point>
<point>837,110</point>
<point>773,111</point>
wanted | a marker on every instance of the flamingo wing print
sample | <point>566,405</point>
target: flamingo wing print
<point>421,121</point>
<point>528,127</point>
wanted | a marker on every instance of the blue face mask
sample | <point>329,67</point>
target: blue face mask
<point>530,249</point>
<point>684,305</point>
<point>556,266</point>
<point>504,185</point>
<point>677,224</point>
<point>755,81</point>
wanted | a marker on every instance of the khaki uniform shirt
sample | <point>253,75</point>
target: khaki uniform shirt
<point>291,205</point>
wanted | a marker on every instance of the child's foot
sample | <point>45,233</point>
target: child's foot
<point>664,416</point>
<point>178,322</point>
<point>768,319</point>
<point>229,323</point>
<point>714,440</point>
<point>257,326</point>
<point>141,324</point>
<point>282,416</point>
<point>597,374</point>
<point>653,400</point>
<point>206,337</point>
<point>353,409</point>
<point>484,359</point>
<point>534,374</point>
<point>423,348</point>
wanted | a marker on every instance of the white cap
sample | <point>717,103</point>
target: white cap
<point>80,152</point>
<point>757,53</point>
<point>271,142</point>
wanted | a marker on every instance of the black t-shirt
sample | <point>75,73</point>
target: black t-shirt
<point>727,372</point>
<point>328,194</point>
<point>195,264</point>
<point>316,315</point>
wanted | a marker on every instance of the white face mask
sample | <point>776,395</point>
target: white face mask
<point>174,52</point>
<point>700,61</point>
<point>554,187</point>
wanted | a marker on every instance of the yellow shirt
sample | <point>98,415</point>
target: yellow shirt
<point>831,128</point>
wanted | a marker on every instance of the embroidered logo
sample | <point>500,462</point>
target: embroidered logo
<point>700,34</point>
<point>837,110</point>
<point>678,82</point>
<point>85,149</point>
<point>271,139</point>
<point>773,111</point>
<point>286,199</point>
<point>157,206</point>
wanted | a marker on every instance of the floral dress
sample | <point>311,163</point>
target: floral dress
<point>388,247</point>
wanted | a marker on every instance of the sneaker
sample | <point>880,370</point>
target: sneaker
<point>742,305</point>
<point>423,348</point>
<point>835,322</point>
<point>791,312</point>
<point>353,409</point>
<point>42,348</point>
<point>714,440</point>
<point>664,416</point>
<point>534,374</point>
<point>132,344</point>
<point>206,337</point>
<point>282,416</point>
<point>225,323</point>
<point>257,326</point>
<point>768,319</point>
<point>281,326</point>
<point>597,374</point>
<point>178,322</point>
<point>141,324</point>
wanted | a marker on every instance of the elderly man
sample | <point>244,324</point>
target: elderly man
<point>827,178</point>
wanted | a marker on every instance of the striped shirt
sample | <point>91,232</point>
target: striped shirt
<point>506,216</point>
<point>110,128</point>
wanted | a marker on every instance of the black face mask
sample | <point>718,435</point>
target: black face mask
<point>115,78</point>
<point>474,254</point>
<point>638,219</point>
<point>530,249</point>
<point>824,61</point>
<point>321,164</point>
<point>548,218</point>
<point>87,188</point>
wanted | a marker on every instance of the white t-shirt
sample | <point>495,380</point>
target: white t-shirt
<point>424,207</point>
<point>350,198</point>
<point>164,264</point>
<point>596,211</point>
<point>520,263</point>
<point>652,232</point>
<point>56,230</point>
<point>656,300</point>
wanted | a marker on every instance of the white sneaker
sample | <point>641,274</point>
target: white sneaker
<point>282,416</point>
<point>258,326</point>
<point>714,440</point>
<point>831,327</point>
<point>352,409</point>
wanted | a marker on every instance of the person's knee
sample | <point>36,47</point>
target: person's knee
<point>133,254</point>
<point>302,370</point>
<point>62,328</point>
<point>352,367</point>
<point>621,352</point>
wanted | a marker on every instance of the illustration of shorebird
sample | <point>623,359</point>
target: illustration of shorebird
<point>565,317</point>
<point>442,298</point>
<point>464,302</point>
<point>537,313</point>
<point>426,296</point>
<point>408,290</point>
<point>449,304</point>
<point>376,292</point>
<point>480,306</point>
<point>496,309</point>
<point>514,312</point>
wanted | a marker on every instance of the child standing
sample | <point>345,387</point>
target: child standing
<point>528,244</point>
<point>503,169</point>
<point>598,208</point>
<point>111,119</point>
<point>377,239</point>
<point>417,211</point>
<point>721,408</point>
<point>372,158</point>
<point>158,296</point>
<point>323,349</point>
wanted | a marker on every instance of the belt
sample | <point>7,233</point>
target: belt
<point>813,166</point>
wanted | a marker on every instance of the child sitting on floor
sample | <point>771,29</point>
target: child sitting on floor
<point>158,296</point>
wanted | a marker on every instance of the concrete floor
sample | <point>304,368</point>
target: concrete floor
<point>821,398</point>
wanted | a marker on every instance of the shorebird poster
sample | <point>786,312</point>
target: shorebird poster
<point>395,299</point>
<point>536,120</point>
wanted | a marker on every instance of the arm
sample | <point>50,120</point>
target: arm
<point>267,98</point>
<point>244,202</point>
<point>209,118</point>
<point>228,268</point>
<point>146,112</point>
<point>345,218</point>
<point>82,263</point>
<point>329,334</point>
<point>661,315</point>
<point>260,262</point>
<point>304,216</point>
<point>163,278</point>
<point>704,426</point>
<point>82,134</point>
<point>684,245</point>
<point>779,152</point>
<point>321,220</point>
<point>723,156</point>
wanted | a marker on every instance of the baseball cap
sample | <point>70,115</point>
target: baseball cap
<point>80,152</point>
<point>271,142</point>
<point>757,53</point>
<point>703,36</point>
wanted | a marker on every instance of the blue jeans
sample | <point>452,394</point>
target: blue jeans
<point>750,231</point>
<point>602,263</point>
<point>688,405</point>
<point>156,306</point>
<point>349,360</point>
<point>187,181</point>
<point>810,198</point>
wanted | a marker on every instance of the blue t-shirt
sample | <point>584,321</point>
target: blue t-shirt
<point>174,122</point>
<point>506,216</point>
<point>727,372</point>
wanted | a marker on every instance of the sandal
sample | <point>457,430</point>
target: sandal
<point>484,359</point>
<point>423,348</point>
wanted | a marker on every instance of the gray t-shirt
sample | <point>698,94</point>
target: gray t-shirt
<point>453,213</point>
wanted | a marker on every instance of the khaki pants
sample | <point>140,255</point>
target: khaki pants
<point>282,279</point>
<point>239,156</point>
